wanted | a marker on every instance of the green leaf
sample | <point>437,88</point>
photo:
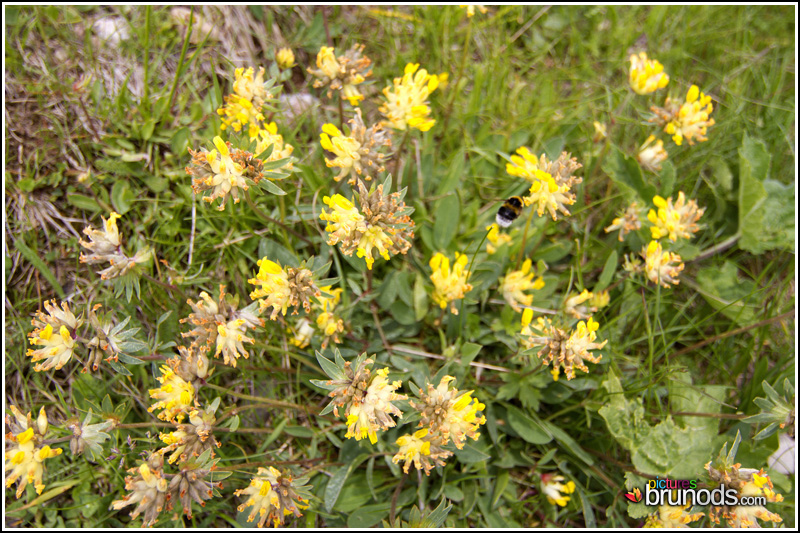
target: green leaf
<point>726,292</point>
<point>84,202</point>
<point>299,431</point>
<point>567,443</point>
<point>437,516</point>
<point>667,179</point>
<point>330,368</point>
<point>501,482</point>
<point>336,482</point>
<point>369,515</point>
<point>626,173</point>
<point>420,298</point>
<point>179,143</point>
<point>454,175</point>
<point>270,187</point>
<point>38,264</point>
<point>528,429</point>
<point>122,197</point>
<point>470,454</point>
<point>445,224</point>
<point>608,272</point>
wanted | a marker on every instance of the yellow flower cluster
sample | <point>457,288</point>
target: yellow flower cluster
<point>54,333</point>
<point>661,267</point>
<point>688,120</point>
<point>672,516</point>
<point>646,75</point>
<point>678,221</point>
<point>516,282</point>
<point>24,456</point>
<point>267,136</point>
<point>148,488</point>
<point>285,58</point>
<point>244,106</point>
<point>405,104</point>
<point>106,245</point>
<point>342,73</point>
<point>651,155</point>
<point>449,284</point>
<point>748,482</point>
<point>495,238</point>
<point>357,155</point>
<point>327,322</point>
<point>556,491</point>
<point>280,287</point>
<point>626,222</point>
<point>273,496</point>
<point>551,181</point>
<point>219,173</point>
<point>175,395</point>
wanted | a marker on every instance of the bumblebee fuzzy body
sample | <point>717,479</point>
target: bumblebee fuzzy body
<point>509,211</point>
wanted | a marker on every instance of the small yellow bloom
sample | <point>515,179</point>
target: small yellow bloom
<point>689,120</point>
<point>646,75</point>
<point>675,221</point>
<point>244,105</point>
<point>26,462</point>
<point>343,220</point>
<point>651,157</point>
<point>523,165</point>
<point>449,285</point>
<point>600,132</point>
<point>495,238</point>
<point>626,222</point>
<point>364,420</point>
<point>574,305</point>
<point>405,104</point>
<point>672,516</point>
<point>267,136</point>
<point>555,490</point>
<point>516,282</point>
<point>285,58</point>
<point>273,285</point>
<point>302,333</point>
<point>661,267</point>
<point>175,395</point>
<point>412,448</point>
<point>345,148</point>
<point>273,496</point>
<point>56,348</point>
<point>225,177</point>
<point>450,413</point>
<point>343,73</point>
<point>551,181</point>
<point>471,9</point>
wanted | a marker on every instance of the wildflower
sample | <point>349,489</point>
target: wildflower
<point>471,9</point>
<point>523,165</point>
<point>688,120</point>
<point>599,300</point>
<point>148,488</point>
<point>191,364</point>
<point>367,398</point>
<point>574,307</point>
<point>273,495</point>
<point>450,413</point>
<point>283,287</point>
<point>222,325</point>
<point>651,157</point>
<point>516,282</point>
<point>87,435</point>
<point>301,333</point>
<point>106,246</point>
<point>356,155</point>
<point>672,516</point>
<point>560,348</point>
<point>555,490</point>
<point>600,132</point>
<point>268,136</point>
<point>175,395</point>
<point>661,267</point>
<point>646,75</point>
<point>328,323</point>
<point>626,222</point>
<point>244,106</point>
<point>23,457</point>
<point>676,221</point>
<point>406,103</point>
<point>495,238</point>
<point>384,225</point>
<point>748,482</point>
<point>449,285</point>
<point>218,172</point>
<point>423,449</point>
<point>285,58</point>
<point>552,185</point>
<point>342,73</point>
<point>56,347</point>
<point>192,439</point>
<point>190,484</point>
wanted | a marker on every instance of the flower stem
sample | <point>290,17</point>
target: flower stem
<point>266,401</point>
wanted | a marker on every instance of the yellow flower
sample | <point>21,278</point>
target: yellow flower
<point>749,482</point>
<point>357,155</point>
<point>450,413</point>
<point>600,132</point>
<point>285,58</point>
<point>342,73</point>
<point>175,395</point>
<point>364,420</point>
<point>660,266</point>
<point>26,462</point>
<point>148,488</point>
<point>471,9</point>
<point>651,157</point>
<point>273,496</point>
<point>280,287</point>
<point>449,285</point>
<point>224,177</point>
<point>268,136</point>
<point>688,120</point>
<point>516,282</point>
<point>574,308</point>
<point>343,220</point>
<point>523,165</point>
<point>302,333</point>
<point>551,180</point>
<point>103,243</point>
<point>546,193</point>
<point>244,105</point>
<point>345,148</point>
<point>327,322</point>
<point>676,221</point>
<point>495,238</point>
<point>672,516</point>
<point>230,339</point>
<point>412,448</point>
<point>626,222</point>
<point>56,348</point>
<point>405,104</point>
<point>327,62</point>
<point>646,75</point>
<point>555,490</point>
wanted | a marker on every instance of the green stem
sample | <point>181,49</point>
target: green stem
<point>469,273</point>
<point>454,87</point>
<point>178,71</point>
<point>266,401</point>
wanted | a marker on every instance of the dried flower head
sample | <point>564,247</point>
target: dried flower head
<point>148,487</point>
<point>516,282</point>
<point>191,364</point>
<point>688,120</point>
<point>342,73</point>
<point>678,221</point>
<point>24,455</point>
<point>562,349</point>
<point>651,155</point>
<point>672,516</point>
<point>191,440</point>
<point>449,284</point>
<point>448,412</point>
<point>661,267</point>
<point>366,396</point>
<point>280,287</point>
<point>626,222</point>
<point>273,495</point>
<point>175,395</point>
<point>552,185</point>
<point>423,449</point>
<point>221,326</point>
<point>244,105</point>
<point>555,490</point>
<point>357,155</point>
<point>383,224</point>
<point>191,484</point>
<point>646,75</point>
<point>406,104</point>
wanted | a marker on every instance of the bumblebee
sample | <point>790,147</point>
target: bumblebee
<point>509,211</point>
